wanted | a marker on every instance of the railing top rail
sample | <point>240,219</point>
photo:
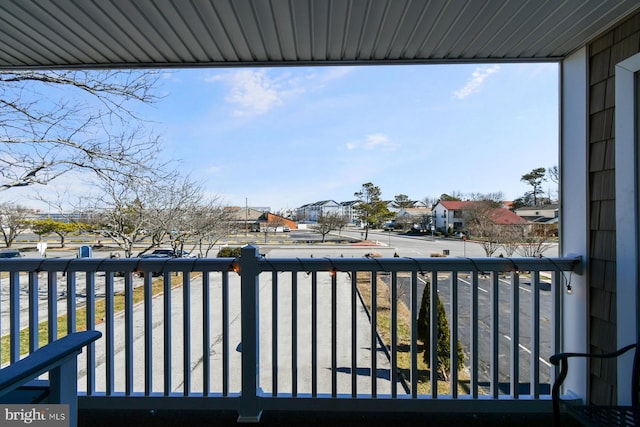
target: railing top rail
<point>293,264</point>
<point>420,264</point>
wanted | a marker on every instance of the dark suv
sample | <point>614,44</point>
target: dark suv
<point>10,253</point>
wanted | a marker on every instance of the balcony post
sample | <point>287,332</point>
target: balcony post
<point>249,411</point>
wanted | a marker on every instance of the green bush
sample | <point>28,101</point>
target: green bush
<point>229,252</point>
<point>424,334</point>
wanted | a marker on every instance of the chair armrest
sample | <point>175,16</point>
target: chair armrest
<point>44,359</point>
<point>557,358</point>
<point>562,360</point>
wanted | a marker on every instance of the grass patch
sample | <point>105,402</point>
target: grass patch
<point>403,331</point>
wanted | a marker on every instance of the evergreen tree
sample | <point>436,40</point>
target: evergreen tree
<point>443,343</point>
<point>535,179</point>
<point>371,209</point>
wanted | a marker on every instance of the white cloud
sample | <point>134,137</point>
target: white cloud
<point>473,85</point>
<point>253,93</point>
<point>376,141</point>
<point>256,92</point>
<point>259,91</point>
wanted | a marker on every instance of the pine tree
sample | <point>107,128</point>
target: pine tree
<point>442,345</point>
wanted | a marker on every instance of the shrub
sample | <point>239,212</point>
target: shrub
<point>424,333</point>
<point>229,252</point>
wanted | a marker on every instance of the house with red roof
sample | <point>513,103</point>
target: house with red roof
<point>448,216</point>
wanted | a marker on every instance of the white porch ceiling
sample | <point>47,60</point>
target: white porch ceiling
<point>184,33</point>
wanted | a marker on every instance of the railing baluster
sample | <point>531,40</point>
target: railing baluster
<point>168,348</point>
<point>186,333</point>
<point>274,333</point>
<point>14,316</point>
<point>433,333</point>
<point>206,334</point>
<point>314,334</point>
<point>354,333</point>
<point>71,302</point>
<point>90,313</point>
<point>334,334</point>
<point>52,286</point>
<point>374,334</point>
<point>225,333</point>
<point>473,335</point>
<point>453,336</point>
<point>414,334</point>
<point>535,335</point>
<point>294,334</point>
<point>557,287</point>
<point>495,334</point>
<point>394,334</point>
<point>148,333</point>
<point>128,333</point>
<point>515,335</point>
<point>33,312</point>
<point>109,334</point>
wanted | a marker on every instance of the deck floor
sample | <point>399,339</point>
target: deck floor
<point>289,419</point>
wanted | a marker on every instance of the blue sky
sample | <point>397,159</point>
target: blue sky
<point>283,137</point>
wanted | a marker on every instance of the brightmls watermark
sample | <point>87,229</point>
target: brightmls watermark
<point>34,415</point>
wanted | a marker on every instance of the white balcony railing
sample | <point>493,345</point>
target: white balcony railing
<point>255,333</point>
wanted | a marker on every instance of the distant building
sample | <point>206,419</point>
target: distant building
<point>312,211</point>
<point>544,214</point>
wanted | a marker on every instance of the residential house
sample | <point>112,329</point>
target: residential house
<point>418,218</point>
<point>543,214</point>
<point>449,216</point>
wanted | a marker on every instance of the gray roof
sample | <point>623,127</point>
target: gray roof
<point>168,33</point>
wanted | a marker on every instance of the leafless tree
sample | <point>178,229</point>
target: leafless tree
<point>122,216</point>
<point>13,221</point>
<point>553,173</point>
<point>55,121</point>
<point>210,222</point>
<point>329,222</point>
<point>170,211</point>
<point>535,241</point>
<point>477,219</point>
<point>272,225</point>
<point>512,238</point>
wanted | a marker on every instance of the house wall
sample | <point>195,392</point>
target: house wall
<point>604,53</point>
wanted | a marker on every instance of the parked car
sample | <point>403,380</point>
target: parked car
<point>159,253</point>
<point>10,253</point>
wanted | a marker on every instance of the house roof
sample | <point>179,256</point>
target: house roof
<point>168,33</point>
<point>553,206</point>
<point>453,205</point>
<point>244,214</point>
<point>502,216</point>
<point>414,212</point>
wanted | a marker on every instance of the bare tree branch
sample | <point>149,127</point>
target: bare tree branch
<point>52,122</point>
